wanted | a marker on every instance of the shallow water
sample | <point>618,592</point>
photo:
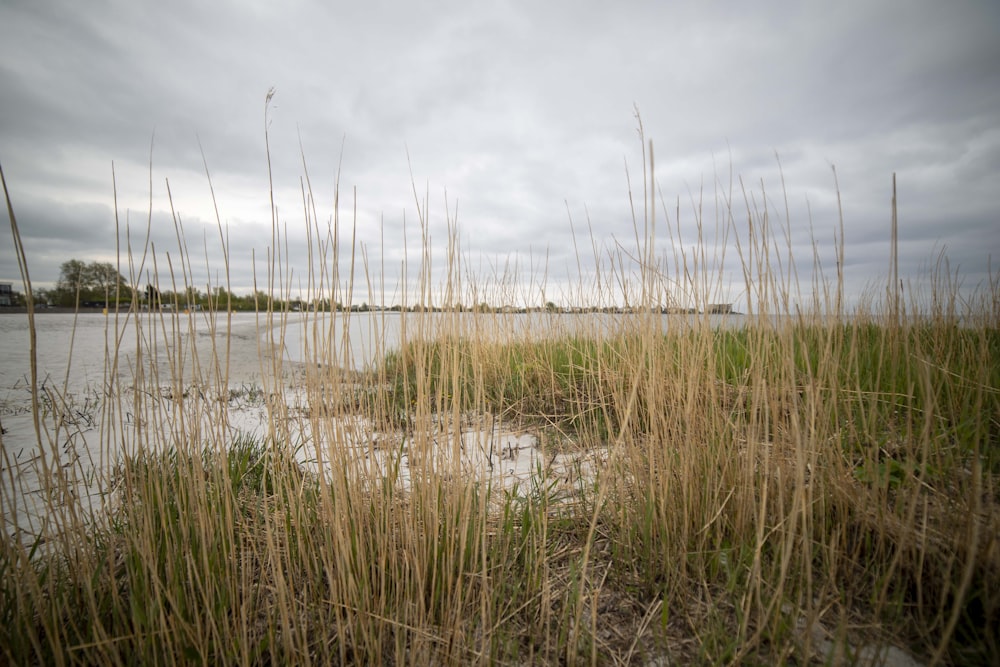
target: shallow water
<point>75,352</point>
<point>103,378</point>
<point>87,365</point>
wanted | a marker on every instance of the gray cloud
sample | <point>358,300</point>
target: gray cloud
<point>523,113</point>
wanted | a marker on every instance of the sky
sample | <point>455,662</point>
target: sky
<point>555,147</point>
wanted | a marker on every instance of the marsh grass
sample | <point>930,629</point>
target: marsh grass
<point>800,488</point>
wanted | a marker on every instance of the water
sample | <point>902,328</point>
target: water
<point>94,368</point>
<point>77,352</point>
<point>92,352</point>
<point>91,369</point>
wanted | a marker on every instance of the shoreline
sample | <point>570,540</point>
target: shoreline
<point>63,310</point>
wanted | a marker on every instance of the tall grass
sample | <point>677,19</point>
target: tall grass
<point>802,487</point>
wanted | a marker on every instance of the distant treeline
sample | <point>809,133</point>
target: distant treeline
<point>100,285</point>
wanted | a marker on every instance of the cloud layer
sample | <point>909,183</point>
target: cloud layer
<point>514,123</point>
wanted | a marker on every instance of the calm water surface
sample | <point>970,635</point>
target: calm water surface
<point>81,351</point>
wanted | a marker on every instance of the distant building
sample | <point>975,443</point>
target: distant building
<point>720,309</point>
<point>6,294</point>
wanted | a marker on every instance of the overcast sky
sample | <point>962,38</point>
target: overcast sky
<point>517,122</point>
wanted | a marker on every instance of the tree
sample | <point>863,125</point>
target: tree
<point>97,282</point>
<point>105,279</point>
<point>72,276</point>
